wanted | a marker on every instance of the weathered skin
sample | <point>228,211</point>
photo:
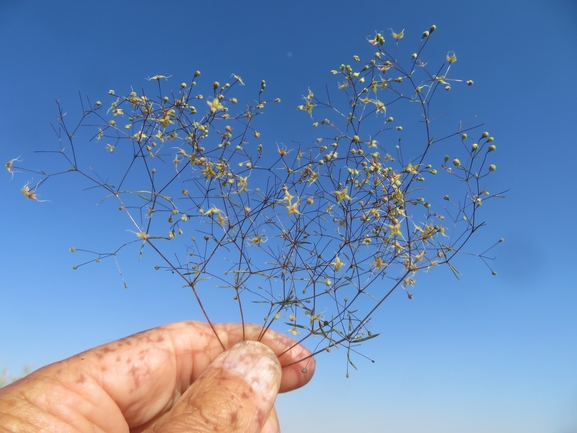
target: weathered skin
<point>173,378</point>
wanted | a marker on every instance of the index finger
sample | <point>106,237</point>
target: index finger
<point>146,373</point>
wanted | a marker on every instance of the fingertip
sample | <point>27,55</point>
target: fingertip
<point>236,393</point>
<point>257,363</point>
<point>298,368</point>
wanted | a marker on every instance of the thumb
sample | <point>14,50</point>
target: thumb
<point>236,394</point>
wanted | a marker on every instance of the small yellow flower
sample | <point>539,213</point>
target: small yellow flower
<point>282,150</point>
<point>342,195</point>
<point>395,230</point>
<point>308,107</point>
<point>237,78</point>
<point>399,35</point>
<point>257,240</point>
<point>220,218</point>
<point>215,105</point>
<point>139,136</point>
<point>412,169</point>
<point>10,163</point>
<point>242,183</point>
<point>337,264</point>
<point>451,57</point>
<point>293,209</point>
<point>287,196</point>
<point>29,193</point>
<point>159,77</point>
<point>378,263</point>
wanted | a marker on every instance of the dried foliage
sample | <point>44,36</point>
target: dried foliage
<point>318,235</point>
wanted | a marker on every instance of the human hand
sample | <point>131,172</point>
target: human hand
<point>173,378</point>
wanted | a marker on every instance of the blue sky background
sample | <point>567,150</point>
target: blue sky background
<point>481,354</point>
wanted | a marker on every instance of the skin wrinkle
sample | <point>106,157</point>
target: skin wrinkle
<point>84,402</point>
<point>218,405</point>
<point>10,424</point>
<point>51,410</point>
<point>225,392</point>
<point>91,395</point>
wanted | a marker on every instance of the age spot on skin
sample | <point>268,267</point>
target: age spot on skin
<point>234,418</point>
<point>142,354</point>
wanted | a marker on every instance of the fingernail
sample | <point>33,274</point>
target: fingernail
<point>257,363</point>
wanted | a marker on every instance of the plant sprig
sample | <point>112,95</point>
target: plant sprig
<point>306,234</point>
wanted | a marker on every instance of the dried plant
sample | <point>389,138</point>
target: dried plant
<point>315,236</point>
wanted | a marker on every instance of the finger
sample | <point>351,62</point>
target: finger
<point>295,374</point>
<point>236,393</point>
<point>272,424</point>
<point>141,377</point>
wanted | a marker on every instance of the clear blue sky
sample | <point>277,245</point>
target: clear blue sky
<point>483,354</point>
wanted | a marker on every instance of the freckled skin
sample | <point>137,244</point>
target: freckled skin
<point>142,382</point>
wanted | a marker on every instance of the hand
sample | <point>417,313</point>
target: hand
<point>173,378</point>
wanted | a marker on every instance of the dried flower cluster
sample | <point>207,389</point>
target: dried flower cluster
<point>305,232</point>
